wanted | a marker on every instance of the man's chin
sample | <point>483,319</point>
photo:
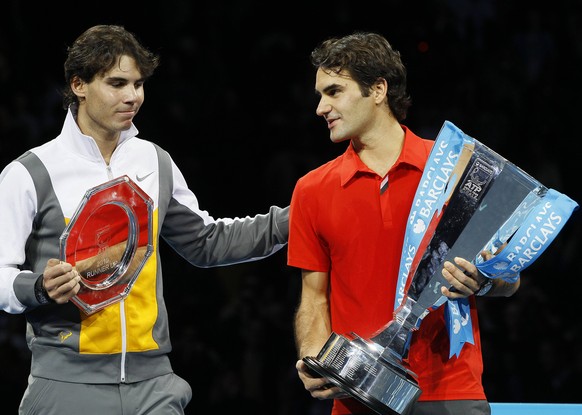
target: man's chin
<point>126,125</point>
<point>336,139</point>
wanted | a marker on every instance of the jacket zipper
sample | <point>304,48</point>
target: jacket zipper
<point>123,338</point>
<point>121,315</point>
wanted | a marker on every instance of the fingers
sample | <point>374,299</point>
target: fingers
<point>52,262</point>
<point>61,281</point>
<point>329,391</point>
<point>319,387</point>
<point>55,267</point>
<point>466,267</point>
<point>486,255</point>
<point>462,276</point>
<point>69,287</point>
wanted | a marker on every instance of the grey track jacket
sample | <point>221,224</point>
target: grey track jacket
<point>127,341</point>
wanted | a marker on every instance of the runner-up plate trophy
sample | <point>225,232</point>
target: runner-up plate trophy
<point>108,240</point>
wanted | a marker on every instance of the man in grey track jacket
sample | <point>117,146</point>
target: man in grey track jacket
<point>114,360</point>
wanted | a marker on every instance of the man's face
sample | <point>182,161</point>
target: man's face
<point>347,112</point>
<point>109,103</point>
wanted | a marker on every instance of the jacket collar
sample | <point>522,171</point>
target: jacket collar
<point>85,145</point>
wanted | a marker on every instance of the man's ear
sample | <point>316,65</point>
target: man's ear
<point>380,90</point>
<point>78,87</point>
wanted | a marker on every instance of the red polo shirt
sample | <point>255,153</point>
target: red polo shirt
<point>342,223</point>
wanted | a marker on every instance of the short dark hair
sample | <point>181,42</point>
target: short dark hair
<point>367,57</point>
<point>97,50</point>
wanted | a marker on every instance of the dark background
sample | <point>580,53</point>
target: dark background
<point>233,103</point>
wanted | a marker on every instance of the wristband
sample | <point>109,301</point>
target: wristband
<point>485,288</point>
<point>40,292</point>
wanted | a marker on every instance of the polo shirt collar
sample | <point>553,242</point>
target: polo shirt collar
<point>413,153</point>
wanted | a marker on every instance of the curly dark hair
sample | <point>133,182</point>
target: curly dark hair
<point>367,57</point>
<point>97,50</point>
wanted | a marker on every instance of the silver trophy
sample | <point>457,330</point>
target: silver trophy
<point>485,199</point>
<point>108,240</point>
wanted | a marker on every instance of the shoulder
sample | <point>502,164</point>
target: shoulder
<point>416,150</point>
<point>321,175</point>
<point>17,170</point>
<point>416,140</point>
<point>145,148</point>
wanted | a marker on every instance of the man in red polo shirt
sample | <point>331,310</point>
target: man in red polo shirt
<point>347,225</point>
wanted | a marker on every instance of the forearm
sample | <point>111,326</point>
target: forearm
<point>209,242</point>
<point>312,329</point>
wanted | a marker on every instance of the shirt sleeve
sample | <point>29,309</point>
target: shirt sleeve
<point>17,210</point>
<point>307,249</point>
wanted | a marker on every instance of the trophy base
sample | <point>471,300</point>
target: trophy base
<point>357,368</point>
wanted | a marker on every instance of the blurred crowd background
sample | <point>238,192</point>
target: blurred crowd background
<point>233,103</point>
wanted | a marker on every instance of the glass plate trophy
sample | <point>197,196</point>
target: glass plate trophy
<point>469,199</point>
<point>108,240</point>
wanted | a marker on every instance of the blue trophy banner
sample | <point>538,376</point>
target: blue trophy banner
<point>541,225</point>
<point>430,197</point>
<point>431,194</point>
<point>458,321</point>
